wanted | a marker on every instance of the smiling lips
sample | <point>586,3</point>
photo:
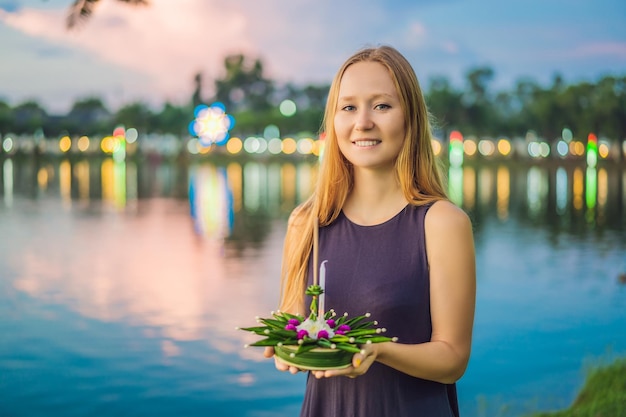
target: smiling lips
<point>363,143</point>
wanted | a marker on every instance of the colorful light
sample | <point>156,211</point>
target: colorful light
<point>119,144</point>
<point>287,108</point>
<point>65,143</point>
<point>211,124</point>
<point>504,147</point>
<point>436,146</point>
<point>592,150</point>
<point>456,148</point>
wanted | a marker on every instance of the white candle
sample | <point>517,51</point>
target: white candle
<point>322,285</point>
<point>316,245</point>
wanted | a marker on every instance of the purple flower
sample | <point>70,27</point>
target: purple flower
<point>302,334</point>
<point>330,323</point>
<point>290,327</point>
<point>294,322</point>
<point>343,328</point>
<point>322,334</point>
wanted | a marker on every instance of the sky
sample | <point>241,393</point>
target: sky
<point>126,54</point>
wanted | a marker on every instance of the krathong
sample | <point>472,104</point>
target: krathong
<point>322,340</point>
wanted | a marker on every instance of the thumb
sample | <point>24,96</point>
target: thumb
<point>357,359</point>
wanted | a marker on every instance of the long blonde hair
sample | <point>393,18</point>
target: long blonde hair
<point>416,168</point>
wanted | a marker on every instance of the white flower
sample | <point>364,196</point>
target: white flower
<point>313,327</point>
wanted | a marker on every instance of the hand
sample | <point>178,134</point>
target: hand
<point>361,363</point>
<point>280,365</point>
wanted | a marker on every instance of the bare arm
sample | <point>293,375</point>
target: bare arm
<point>451,258</point>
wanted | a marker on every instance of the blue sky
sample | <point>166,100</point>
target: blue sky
<point>124,54</point>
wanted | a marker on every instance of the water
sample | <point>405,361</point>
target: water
<point>121,285</point>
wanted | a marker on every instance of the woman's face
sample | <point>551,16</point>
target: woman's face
<point>369,119</point>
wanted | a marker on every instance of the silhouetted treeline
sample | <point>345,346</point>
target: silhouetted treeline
<point>253,100</point>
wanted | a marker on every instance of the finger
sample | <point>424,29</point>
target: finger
<point>339,372</point>
<point>280,365</point>
<point>268,352</point>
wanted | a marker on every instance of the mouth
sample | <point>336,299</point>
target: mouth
<point>365,143</point>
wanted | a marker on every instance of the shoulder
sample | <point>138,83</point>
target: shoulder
<point>449,235</point>
<point>445,220</point>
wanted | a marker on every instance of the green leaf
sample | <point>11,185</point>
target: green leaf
<point>266,342</point>
<point>372,339</point>
<point>348,347</point>
<point>305,348</point>
<point>283,333</point>
<point>277,324</point>
<point>361,332</point>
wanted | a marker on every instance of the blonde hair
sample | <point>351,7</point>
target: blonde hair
<point>416,168</point>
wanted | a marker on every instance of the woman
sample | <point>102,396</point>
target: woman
<point>395,246</point>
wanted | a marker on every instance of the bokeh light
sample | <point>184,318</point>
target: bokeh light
<point>211,124</point>
<point>289,146</point>
<point>436,146</point>
<point>274,146</point>
<point>577,148</point>
<point>251,144</point>
<point>456,148</point>
<point>83,143</point>
<point>592,150</point>
<point>305,146</point>
<point>486,147</point>
<point>603,150</point>
<point>7,144</point>
<point>469,147</point>
<point>65,143</point>
<point>567,135</point>
<point>504,147</point>
<point>271,132</point>
<point>562,148</point>
<point>287,108</point>
<point>234,145</point>
<point>131,135</point>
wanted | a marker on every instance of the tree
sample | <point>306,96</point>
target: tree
<point>7,118</point>
<point>136,115</point>
<point>196,98</point>
<point>476,100</point>
<point>172,119</point>
<point>82,10</point>
<point>243,87</point>
<point>444,102</point>
<point>29,117</point>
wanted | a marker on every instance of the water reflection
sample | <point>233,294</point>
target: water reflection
<point>503,192</point>
<point>211,201</point>
<point>221,195</point>
<point>176,255</point>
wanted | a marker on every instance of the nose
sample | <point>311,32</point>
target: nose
<point>363,121</point>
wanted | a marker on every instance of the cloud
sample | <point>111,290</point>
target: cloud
<point>600,49</point>
<point>161,47</point>
<point>167,42</point>
<point>126,53</point>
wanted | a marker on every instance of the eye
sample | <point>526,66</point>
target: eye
<point>348,108</point>
<point>382,106</point>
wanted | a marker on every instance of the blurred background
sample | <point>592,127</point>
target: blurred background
<point>151,152</point>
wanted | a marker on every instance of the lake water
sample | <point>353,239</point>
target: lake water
<point>121,285</point>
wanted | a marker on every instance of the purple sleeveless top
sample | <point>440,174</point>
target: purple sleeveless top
<point>383,270</point>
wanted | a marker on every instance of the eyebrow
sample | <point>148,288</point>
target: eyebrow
<point>372,97</point>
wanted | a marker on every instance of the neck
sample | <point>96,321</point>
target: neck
<point>375,197</point>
